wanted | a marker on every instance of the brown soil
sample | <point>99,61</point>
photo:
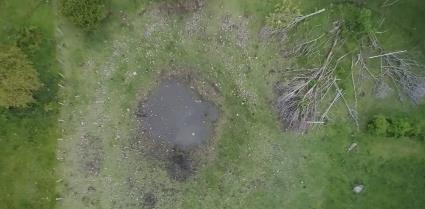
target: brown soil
<point>91,152</point>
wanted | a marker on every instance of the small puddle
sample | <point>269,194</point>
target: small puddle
<point>175,114</point>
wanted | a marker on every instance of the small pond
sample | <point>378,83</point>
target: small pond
<point>175,114</point>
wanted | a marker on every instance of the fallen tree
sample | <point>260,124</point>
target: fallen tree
<point>300,101</point>
<point>308,98</point>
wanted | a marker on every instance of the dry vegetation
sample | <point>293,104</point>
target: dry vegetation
<point>315,88</point>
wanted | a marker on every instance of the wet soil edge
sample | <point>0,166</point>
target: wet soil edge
<point>181,165</point>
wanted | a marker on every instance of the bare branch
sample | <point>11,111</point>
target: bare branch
<point>388,54</point>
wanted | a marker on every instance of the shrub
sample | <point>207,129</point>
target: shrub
<point>357,21</point>
<point>379,125</point>
<point>392,127</point>
<point>18,78</point>
<point>400,127</point>
<point>29,39</point>
<point>86,14</point>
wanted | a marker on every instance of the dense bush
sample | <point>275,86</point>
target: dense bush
<point>86,14</point>
<point>392,127</point>
<point>29,39</point>
<point>401,127</point>
<point>379,125</point>
<point>18,78</point>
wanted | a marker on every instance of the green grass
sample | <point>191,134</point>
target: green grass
<point>28,136</point>
<point>391,170</point>
<point>400,29</point>
<point>257,165</point>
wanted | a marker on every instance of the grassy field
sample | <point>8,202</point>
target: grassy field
<point>28,136</point>
<point>95,164</point>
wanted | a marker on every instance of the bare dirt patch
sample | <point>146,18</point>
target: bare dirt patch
<point>182,6</point>
<point>91,154</point>
<point>194,26</point>
<point>236,28</point>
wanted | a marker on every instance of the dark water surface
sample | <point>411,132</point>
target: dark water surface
<point>175,114</point>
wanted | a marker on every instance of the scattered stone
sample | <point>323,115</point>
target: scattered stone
<point>235,28</point>
<point>358,189</point>
<point>352,147</point>
<point>194,25</point>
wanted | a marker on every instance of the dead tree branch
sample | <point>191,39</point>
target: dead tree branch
<point>301,99</point>
<point>401,70</point>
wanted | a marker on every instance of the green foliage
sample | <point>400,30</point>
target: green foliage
<point>365,20</point>
<point>385,166</point>
<point>379,126</point>
<point>283,14</point>
<point>86,14</point>
<point>401,127</point>
<point>29,39</point>
<point>397,127</point>
<point>357,21</point>
<point>28,136</point>
<point>18,78</point>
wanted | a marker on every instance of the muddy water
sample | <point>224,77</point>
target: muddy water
<point>175,114</point>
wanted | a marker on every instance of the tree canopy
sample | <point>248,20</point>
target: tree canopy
<point>18,78</point>
<point>86,14</point>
